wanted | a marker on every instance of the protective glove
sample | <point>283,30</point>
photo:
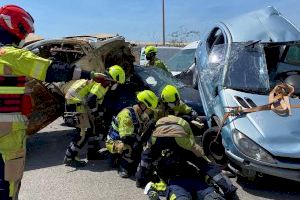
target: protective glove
<point>120,147</point>
<point>102,78</point>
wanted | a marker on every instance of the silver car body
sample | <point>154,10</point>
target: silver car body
<point>276,136</point>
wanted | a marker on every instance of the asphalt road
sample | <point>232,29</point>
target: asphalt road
<point>46,178</point>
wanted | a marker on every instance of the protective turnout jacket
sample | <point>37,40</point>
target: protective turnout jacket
<point>179,110</point>
<point>78,91</point>
<point>158,63</point>
<point>15,104</point>
<point>170,148</point>
<point>125,127</point>
<point>21,62</point>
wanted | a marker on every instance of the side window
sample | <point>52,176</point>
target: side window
<point>216,37</point>
<point>293,55</point>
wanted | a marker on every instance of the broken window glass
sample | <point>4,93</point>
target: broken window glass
<point>247,69</point>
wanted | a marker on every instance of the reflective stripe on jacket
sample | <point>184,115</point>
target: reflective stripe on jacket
<point>125,123</point>
<point>11,93</point>
<point>79,90</point>
<point>21,62</point>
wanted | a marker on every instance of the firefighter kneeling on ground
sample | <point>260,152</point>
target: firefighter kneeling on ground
<point>129,130</point>
<point>15,102</point>
<point>84,99</point>
<point>171,104</point>
<point>172,153</point>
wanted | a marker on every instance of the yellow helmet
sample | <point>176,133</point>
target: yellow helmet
<point>170,94</point>
<point>117,73</point>
<point>150,49</point>
<point>148,98</point>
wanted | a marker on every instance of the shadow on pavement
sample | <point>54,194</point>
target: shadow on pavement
<point>47,149</point>
<point>271,188</point>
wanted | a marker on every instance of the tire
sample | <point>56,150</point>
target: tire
<point>214,150</point>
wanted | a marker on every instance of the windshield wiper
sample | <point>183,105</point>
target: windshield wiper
<point>252,44</point>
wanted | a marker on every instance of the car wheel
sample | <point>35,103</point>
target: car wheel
<point>195,78</point>
<point>214,149</point>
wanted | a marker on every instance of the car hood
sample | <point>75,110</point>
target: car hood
<point>278,135</point>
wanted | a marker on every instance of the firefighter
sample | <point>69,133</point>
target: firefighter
<point>15,103</point>
<point>129,129</point>
<point>174,155</point>
<point>151,52</point>
<point>85,97</point>
<point>172,104</point>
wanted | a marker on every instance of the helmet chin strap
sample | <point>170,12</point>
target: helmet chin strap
<point>140,106</point>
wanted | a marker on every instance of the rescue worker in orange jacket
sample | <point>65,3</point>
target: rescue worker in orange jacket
<point>85,98</point>
<point>15,104</point>
<point>129,129</point>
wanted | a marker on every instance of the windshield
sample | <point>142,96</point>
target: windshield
<point>181,60</point>
<point>157,78</point>
<point>245,67</point>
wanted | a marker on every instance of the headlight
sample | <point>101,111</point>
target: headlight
<point>250,148</point>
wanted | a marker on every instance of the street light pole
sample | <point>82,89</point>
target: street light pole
<point>163,18</point>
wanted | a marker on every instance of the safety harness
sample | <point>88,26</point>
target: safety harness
<point>278,103</point>
<point>114,132</point>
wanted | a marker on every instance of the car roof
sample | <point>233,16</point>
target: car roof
<point>266,25</point>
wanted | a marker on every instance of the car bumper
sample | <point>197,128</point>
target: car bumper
<point>291,174</point>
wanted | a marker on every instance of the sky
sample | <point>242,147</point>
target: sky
<point>141,20</point>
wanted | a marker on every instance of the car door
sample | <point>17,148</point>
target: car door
<point>207,89</point>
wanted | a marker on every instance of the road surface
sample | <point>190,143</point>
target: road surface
<point>46,178</point>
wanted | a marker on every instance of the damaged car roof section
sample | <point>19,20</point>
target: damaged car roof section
<point>90,52</point>
<point>266,25</point>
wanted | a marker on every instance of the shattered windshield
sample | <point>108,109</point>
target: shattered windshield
<point>245,67</point>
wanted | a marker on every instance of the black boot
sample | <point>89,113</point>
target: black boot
<point>71,158</point>
<point>227,187</point>
<point>76,163</point>
<point>123,173</point>
<point>94,154</point>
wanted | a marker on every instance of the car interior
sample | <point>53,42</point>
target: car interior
<point>283,63</point>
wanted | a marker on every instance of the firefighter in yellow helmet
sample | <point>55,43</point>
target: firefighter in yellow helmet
<point>172,155</point>
<point>129,129</point>
<point>172,104</point>
<point>84,99</point>
<point>150,52</point>
<point>15,65</point>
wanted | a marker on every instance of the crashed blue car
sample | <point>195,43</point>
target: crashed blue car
<point>240,61</point>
